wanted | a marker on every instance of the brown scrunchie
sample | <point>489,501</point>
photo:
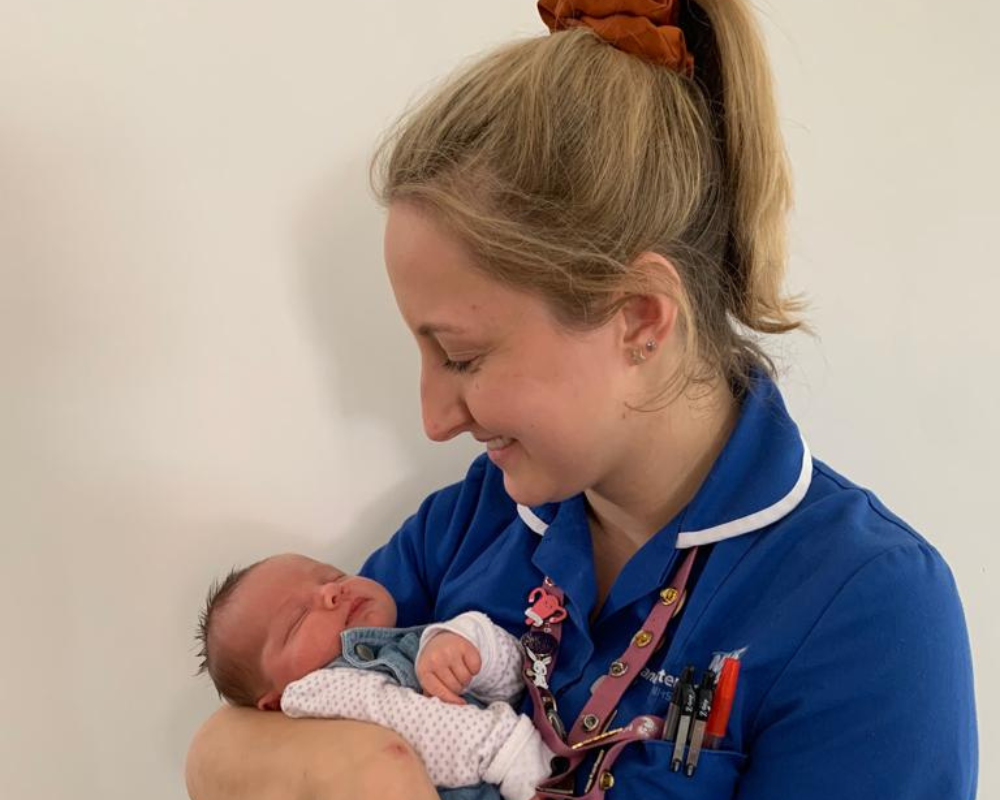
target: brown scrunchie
<point>646,28</point>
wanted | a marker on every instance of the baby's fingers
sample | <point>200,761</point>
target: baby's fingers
<point>472,662</point>
<point>456,678</point>
<point>462,677</point>
<point>435,687</point>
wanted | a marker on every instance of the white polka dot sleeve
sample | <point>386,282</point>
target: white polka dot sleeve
<point>459,745</point>
<point>499,677</point>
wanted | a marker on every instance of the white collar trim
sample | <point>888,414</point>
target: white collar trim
<point>532,520</point>
<point>759,519</point>
<point>727,530</point>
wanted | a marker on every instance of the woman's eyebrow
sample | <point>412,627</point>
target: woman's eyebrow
<point>431,329</point>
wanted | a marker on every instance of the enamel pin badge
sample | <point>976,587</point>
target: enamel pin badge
<point>544,609</point>
<point>540,647</point>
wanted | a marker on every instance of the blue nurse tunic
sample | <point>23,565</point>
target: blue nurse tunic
<point>856,676</point>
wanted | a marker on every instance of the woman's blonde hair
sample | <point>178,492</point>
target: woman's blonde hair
<point>560,160</point>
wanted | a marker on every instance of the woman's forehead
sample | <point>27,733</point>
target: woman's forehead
<point>424,260</point>
<point>439,289</point>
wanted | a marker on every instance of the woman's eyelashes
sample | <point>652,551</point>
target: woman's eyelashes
<point>458,366</point>
<point>455,364</point>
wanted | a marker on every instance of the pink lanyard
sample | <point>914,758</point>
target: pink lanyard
<point>592,729</point>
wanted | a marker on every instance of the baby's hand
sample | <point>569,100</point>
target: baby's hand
<point>446,665</point>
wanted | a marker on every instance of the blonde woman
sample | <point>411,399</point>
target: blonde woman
<point>586,235</point>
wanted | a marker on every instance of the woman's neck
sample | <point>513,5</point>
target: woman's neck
<point>670,456</point>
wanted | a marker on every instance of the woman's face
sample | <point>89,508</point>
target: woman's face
<point>548,404</point>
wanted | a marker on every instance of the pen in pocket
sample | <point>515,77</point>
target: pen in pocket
<point>725,691</point>
<point>674,710</point>
<point>689,698</point>
<point>702,710</point>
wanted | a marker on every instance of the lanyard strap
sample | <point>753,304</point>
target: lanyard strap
<point>628,665</point>
<point>589,731</point>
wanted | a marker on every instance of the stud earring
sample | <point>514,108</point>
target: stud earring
<point>651,345</point>
<point>637,355</point>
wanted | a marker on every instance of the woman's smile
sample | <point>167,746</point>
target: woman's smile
<point>500,451</point>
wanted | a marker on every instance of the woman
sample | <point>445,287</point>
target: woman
<point>585,234</point>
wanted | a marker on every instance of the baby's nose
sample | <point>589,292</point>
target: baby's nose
<point>330,594</point>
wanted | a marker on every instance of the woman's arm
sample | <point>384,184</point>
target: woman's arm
<point>459,745</point>
<point>245,754</point>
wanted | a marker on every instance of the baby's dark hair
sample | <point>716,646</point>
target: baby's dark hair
<point>234,679</point>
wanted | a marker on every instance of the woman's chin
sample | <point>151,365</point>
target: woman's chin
<point>527,493</point>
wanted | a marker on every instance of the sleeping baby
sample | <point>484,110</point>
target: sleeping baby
<point>295,634</point>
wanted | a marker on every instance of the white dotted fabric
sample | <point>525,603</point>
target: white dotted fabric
<point>502,658</point>
<point>459,745</point>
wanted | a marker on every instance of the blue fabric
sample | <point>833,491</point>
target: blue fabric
<point>856,676</point>
<point>389,650</point>
<point>393,651</point>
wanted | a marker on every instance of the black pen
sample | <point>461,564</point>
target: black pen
<point>674,711</point>
<point>689,698</point>
<point>704,707</point>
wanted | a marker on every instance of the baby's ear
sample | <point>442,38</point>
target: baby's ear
<point>270,701</point>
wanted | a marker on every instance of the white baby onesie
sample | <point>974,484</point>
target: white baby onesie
<point>460,745</point>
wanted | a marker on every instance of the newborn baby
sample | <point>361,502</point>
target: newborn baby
<point>294,634</point>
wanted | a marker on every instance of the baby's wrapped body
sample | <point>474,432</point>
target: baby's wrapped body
<point>472,746</point>
<point>293,634</point>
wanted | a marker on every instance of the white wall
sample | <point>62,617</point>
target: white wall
<point>201,362</point>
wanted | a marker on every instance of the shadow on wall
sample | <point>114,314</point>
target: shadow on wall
<point>189,702</point>
<point>367,355</point>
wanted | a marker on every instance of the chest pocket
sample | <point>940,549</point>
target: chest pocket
<point>645,772</point>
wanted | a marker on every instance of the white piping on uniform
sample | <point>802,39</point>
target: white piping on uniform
<point>532,520</point>
<point>727,530</point>
<point>759,519</point>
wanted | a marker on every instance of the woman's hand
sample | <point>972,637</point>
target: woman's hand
<point>245,754</point>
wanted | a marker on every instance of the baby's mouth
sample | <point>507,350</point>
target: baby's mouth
<point>356,604</point>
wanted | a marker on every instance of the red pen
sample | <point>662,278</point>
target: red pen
<point>722,703</point>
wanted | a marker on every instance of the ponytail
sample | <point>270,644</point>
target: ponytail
<point>734,74</point>
<point>559,160</point>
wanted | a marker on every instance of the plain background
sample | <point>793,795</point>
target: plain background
<point>202,363</point>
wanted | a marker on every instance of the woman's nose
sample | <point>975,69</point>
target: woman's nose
<point>444,411</point>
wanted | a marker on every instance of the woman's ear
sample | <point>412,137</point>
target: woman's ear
<point>270,701</point>
<point>652,317</point>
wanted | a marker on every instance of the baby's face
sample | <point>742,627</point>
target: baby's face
<point>289,612</point>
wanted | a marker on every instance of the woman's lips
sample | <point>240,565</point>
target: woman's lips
<point>500,455</point>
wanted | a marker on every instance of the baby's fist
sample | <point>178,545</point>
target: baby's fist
<point>446,665</point>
